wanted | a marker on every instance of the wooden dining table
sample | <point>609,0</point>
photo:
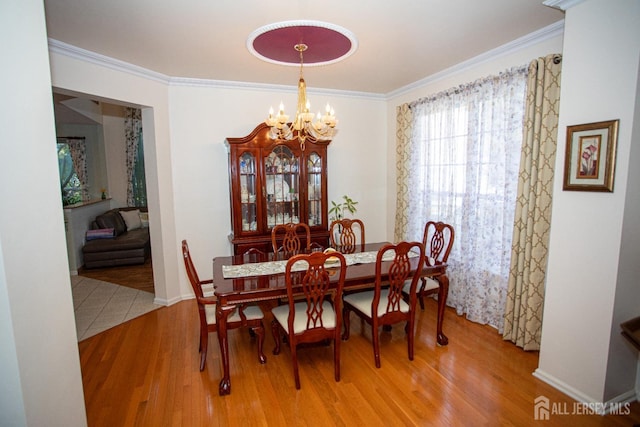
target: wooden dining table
<point>232,291</point>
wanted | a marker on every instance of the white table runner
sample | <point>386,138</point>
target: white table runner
<point>278,267</point>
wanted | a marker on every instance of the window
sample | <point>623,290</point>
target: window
<point>458,163</point>
<point>69,182</point>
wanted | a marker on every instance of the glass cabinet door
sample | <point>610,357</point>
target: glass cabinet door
<point>282,187</point>
<point>314,189</point>
<point>248,192</point>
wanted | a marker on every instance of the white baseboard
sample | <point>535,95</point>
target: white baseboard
<point>601,408</point>
<point>173,300</point>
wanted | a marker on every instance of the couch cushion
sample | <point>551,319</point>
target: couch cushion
<point>131,219</point>
<point>134,239</point>
<point>111,219</point>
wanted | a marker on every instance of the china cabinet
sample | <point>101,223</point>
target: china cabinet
<point>275,182</point>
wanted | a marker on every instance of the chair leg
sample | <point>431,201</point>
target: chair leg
<point>294,360</point>
<point>421,300</point>
<point>347,323</point>
<point>376,344</point>
<point>421,292</point>
<point>336,355</point>
<point>410,338</point>
<point>259,331</point>
<point>204,343</point>
<point>275,330</point>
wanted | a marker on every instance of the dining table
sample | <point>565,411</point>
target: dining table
<point>259,277</point>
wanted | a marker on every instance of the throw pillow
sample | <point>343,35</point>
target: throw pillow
<point>132,219</point>
<point>111,219</point>
<point>102,233</point>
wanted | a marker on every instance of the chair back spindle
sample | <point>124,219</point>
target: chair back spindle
<point>286,240</point>
<point>346,234</point>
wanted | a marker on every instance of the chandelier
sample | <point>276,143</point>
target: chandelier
<point>322,129</point>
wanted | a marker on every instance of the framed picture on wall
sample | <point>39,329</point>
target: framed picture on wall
<point>590,158</point>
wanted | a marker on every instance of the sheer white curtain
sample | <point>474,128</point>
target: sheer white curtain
<point>458,157</point>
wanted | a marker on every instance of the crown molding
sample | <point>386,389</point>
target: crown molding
<point>561,4</point>
<point>75,52</point>
<point>227,84</point>
<point>545,33</point>
<point>530,39</point>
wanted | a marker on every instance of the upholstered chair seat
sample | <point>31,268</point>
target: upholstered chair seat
<point>251,312</point>
<point>362,302</point>
<point>281,314</point>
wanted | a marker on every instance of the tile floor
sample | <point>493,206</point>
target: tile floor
<point>101,305</point>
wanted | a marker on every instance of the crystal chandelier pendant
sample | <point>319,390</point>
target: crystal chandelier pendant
<point>323,129</point>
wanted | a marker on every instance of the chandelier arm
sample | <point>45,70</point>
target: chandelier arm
<point>322,130</point>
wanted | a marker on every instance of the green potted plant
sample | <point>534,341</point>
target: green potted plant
<point>338,209</point>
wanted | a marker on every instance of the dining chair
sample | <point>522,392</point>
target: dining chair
<point>254,255</point>
<point>343,235</point>
<point>385,304</point>
<point>250,316</point>
<point>437,240</point>
<point>317,316</point>
<point>286,240</point>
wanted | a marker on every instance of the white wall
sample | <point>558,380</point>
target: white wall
<point>202,117</point>
<point>77,221</point>
<point>593,270</point>
<point>115,153</point>
<point>41,381</point>
<point>72,74</point>
<point>516,53</point>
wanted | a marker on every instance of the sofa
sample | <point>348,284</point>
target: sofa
<point>117,237</point>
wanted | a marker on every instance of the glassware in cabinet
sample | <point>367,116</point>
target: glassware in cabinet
<point>314,189</point>
<point>282,170</point>
<point>248,184</point>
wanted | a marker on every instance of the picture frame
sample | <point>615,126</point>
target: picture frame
<point>590,156</point>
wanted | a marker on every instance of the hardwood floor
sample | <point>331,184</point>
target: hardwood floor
<point>145,372</point>
<point>138,277</point>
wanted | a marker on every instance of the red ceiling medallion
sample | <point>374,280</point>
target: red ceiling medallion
<point>327,43</point>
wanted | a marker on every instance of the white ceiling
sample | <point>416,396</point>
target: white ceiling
<point>399,42</point>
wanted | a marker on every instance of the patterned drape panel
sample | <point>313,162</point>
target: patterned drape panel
<point>132,130</point>
<point>404,117</point>
<point>457,162</point>
<point>525,295</point>
<point>78,152</point>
